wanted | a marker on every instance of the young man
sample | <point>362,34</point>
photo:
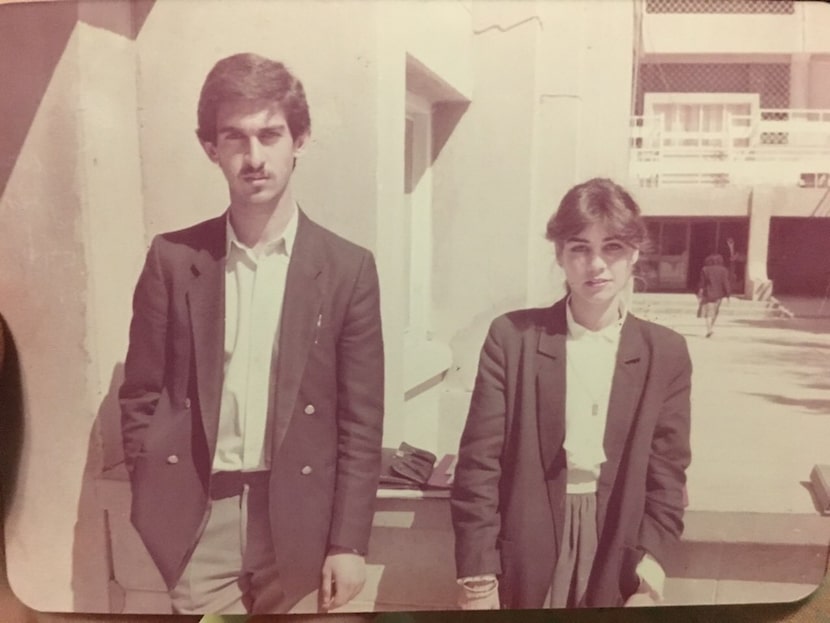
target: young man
<point>252,403</point>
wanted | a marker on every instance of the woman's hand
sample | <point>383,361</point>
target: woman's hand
<point>641,600</point>
<point>479,594</point>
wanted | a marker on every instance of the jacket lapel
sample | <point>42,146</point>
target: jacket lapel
<point>206,303</point>
<point>301,311</point>
<point>550,387</point>
<point>550,409</point>
<point>626,389</point>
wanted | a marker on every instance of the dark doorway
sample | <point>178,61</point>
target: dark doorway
<point>677,247</point>
<point>703,241</point>
<point>799,255</point>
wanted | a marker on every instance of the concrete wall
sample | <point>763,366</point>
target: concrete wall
<point>424,48</point>
<point>784,201</point>
<point>696,202</point>
<point>70,213</point>
<point>584,67</point>
<point>819,82</point>
<point>482,182</point>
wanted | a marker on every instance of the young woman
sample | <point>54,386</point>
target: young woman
<point>569,484</point>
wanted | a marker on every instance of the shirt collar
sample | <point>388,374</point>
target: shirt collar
<point>284,243</point>
<point>611,333</point>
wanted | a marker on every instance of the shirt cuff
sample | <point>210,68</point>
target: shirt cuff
<point>473,579</point>
<point>652,577</point>
<point>336,549</point>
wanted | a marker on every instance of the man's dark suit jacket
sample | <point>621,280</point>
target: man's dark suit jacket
<point>510,480</point>
<point>326,406</point>
<point>714,283</point>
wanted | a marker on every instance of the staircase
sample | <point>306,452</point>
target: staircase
<point>681,309</point>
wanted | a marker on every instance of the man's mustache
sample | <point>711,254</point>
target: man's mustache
<point>250,171</point>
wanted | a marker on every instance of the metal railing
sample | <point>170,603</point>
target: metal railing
<point>775,145</point>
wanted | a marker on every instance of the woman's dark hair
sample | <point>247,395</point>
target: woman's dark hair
<point>716,259</point>
<point>250,77</point>
<point>599,200</point>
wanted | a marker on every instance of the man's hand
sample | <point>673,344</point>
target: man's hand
<point>344,574</point>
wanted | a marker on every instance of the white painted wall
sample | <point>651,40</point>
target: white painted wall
<point>72,216</point>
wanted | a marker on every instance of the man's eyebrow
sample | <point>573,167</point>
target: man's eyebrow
<point>585,240</point>
<point>277,127</point>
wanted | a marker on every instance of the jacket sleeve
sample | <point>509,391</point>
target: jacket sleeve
<point>475,497</point>
<point>360,387</point>
<point>670,456</point>
<point>144,366</point>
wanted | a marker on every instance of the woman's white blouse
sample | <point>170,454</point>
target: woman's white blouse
<point>590,361</point>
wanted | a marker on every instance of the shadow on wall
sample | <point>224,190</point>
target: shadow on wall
<point>33,38</point>
<point>112,572</point>
<point>92,563</point>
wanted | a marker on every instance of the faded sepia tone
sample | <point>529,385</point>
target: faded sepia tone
<point>444,133</point>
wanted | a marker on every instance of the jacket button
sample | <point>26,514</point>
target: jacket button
<point>187,403</point>
<point>309,410</point>
<point>305,471</point>
<point>172,459</point>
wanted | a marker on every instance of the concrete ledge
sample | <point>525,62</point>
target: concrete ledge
<point>724,557</point>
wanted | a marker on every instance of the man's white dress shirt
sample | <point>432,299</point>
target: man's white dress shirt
<point>254,291</point>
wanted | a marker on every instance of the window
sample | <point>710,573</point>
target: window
<point>719,6</point>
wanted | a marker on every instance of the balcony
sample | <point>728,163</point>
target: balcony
<point>784,147</point>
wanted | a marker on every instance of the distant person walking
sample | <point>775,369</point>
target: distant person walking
<point>736,260</point>
<point>714,286</point>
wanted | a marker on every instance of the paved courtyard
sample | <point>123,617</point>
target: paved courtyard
<point>761,412</point>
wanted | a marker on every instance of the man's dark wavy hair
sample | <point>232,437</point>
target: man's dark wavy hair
<point>251,77</point>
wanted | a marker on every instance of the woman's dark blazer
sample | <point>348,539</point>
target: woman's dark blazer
<point>509,492</point>
<point>714,283</point>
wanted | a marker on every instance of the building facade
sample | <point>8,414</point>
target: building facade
<point>731,142</point>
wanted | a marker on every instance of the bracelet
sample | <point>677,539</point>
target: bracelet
<point>479,585</point>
